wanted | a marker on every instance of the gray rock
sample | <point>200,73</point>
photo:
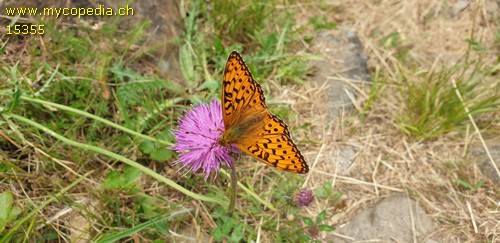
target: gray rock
<point>391,220</point>
<point>483,161</point>
<point>345,159</point>
<point>342,58</point>
<point>165,27</point>
<point>458,7</point>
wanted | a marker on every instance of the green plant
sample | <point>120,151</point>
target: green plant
<point>470,186</point>
<point>326,191</point>
<point>321,22</point>
<point>314,226</point>
<point>9,212</point>
<point>229,227</point>
<point>432,106</point>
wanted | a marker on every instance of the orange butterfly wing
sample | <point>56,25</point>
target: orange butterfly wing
<point>240,92</point>
<point>250,125</point>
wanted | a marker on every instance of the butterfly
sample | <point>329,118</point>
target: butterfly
<point>250,126</point>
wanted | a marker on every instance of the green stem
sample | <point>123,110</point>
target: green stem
<point>251,193</point>
<point>86,114</point>
<point>120,158</point>
<point>234,185</point>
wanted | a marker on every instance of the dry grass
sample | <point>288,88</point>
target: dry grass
<point>385,160</point>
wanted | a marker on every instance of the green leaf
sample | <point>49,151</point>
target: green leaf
<point>320,192</point>
<point>469,186</point>
<point>8,212</point>
<point>210,85</point>
<point>324,191</point>
<point>148,206</point>
<point>479,184</point>
<point>167,135</point>
<point>308,221</point>
<point>238,233</point>
<point>223,229</point>
<point>321,216</point>
<point>162,154</point>
<point>464,184</point>
<point>328,186</point>
<point>320,22</point>
<point>147,147</point>
<point>227,226</point>
<point>325,227</point>
<point>11,105</point>
<point>131,175</point>
<point>14,212</point>
<point>113,180</point>
<point>5,206</point>
<point>187,64</point>
<point>125,180</point>
<point>3,167</point>
<point>218,234</point>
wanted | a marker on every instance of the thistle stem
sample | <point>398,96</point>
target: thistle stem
<point>234,186</point>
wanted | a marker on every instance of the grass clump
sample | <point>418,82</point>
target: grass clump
<point>260,31</point>
<point>432,106</point>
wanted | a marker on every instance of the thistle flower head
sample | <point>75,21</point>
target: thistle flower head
<point>197,138</point>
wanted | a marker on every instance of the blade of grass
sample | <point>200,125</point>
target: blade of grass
<point>459,95</point>
<point>136,229</point>
<point>111,124</point>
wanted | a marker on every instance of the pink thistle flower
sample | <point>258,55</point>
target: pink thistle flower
<point>198,136</point>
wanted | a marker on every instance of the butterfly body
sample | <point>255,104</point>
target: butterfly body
<point>250,126</point>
